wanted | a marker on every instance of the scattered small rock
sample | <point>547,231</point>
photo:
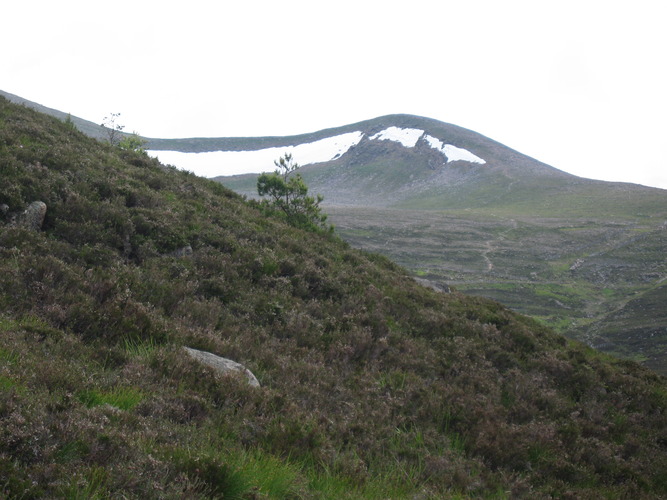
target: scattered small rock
<point>221,365</point>
<point>577,264</point>
<point>186,251</point>
<point>438,287</point>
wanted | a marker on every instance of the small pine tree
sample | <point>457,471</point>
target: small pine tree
<point>287,194</point>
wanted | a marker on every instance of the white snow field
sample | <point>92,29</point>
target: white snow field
<point>216,163</point>
<point>406,136</point>
<point>452,152</point>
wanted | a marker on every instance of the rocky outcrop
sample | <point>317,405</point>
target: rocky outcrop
<point>31,218</point>
<point>222,365</point>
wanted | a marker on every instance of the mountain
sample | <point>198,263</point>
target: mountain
<point>363,163</point>
<point>370,385</point>
<point>412,162</point>
<point>415,173</point>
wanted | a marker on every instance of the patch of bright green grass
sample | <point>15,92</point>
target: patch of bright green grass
<point>236,474</point>
<point>123,398</point>
<point>7,383</point>
<point>271,476</point>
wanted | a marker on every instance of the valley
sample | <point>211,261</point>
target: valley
<point>570,274</point>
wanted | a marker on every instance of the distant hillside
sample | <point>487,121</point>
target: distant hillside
<point>87,127</point>
<point>370,385</point>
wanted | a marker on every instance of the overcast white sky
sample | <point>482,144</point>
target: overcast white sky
<point>580,85</point>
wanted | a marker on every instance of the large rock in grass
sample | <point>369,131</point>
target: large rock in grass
<point>222,365</point>
<point>32,218</point>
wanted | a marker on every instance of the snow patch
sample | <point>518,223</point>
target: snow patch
<point>434,142</point>
<point>452,152</point>
<point>406,136</point>
<point>215,163</point>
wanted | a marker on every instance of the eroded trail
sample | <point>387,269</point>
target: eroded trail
<point>489,247</point>
<point>492,245</point>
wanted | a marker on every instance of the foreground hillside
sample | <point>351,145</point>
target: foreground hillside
<point>372,386</point>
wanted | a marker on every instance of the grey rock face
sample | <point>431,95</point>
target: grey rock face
<point>221,365</point>
<point>32,218</point>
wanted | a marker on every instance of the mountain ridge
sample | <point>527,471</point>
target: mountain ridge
<point>209,144</point>
<point>416,176</point>
<point>449,133</point>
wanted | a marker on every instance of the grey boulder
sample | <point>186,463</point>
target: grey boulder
<point>222,365</point>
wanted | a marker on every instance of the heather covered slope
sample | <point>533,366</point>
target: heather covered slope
<point>566,250</point>
<point>87,127</point>
<point>372,386</point>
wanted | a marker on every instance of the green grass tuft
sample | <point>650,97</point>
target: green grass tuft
<point>123,398</point>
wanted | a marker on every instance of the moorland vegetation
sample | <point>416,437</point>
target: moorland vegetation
<point>585,257</point>
<point>372,386</point>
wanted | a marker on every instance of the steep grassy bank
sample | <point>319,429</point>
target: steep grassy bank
<point>372,386</point>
